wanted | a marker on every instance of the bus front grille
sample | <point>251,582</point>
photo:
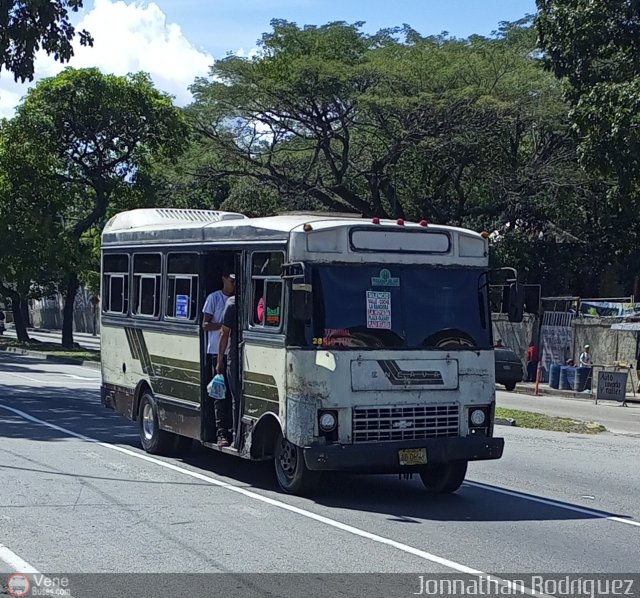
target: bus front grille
<point>374,424</point>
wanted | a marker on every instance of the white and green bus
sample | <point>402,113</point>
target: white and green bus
<point>375,354</point>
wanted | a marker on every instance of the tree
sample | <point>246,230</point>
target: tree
<point>27,26</point>
<point>97,132</point>
<point>593,45</point>
<point>32,242</point>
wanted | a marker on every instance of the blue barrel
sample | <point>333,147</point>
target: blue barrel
<point>567,377</point>
<point>582,379</point>
<point>554,375</point>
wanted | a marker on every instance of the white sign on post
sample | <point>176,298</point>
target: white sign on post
<point>612,386</point>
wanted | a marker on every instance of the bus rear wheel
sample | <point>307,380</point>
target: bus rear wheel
<point>291,471</point>
<point>445,478</point>
<point>154,440</point>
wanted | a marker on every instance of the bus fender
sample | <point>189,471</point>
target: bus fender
<point>261,440</point>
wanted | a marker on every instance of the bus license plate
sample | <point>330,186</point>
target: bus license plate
<point>414,456</point>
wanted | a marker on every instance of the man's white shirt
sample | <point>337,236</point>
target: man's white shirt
<point>585,359</point>
<point>214,306</point>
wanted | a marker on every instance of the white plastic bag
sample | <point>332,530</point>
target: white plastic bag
<point>216,388</point>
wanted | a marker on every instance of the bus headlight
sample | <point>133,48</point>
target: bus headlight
<point>478,417</point>
<point>328,421</point>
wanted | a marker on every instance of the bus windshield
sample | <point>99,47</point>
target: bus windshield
<point>399,306</point>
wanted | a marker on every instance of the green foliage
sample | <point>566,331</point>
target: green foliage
<point>27,26</point>
<point>30,226</point>
<point>90,136</point>
<point>466,132</point>
<point>97,132</point>
<point>593,45</point>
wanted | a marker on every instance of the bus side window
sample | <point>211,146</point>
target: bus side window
<point>147,268</point>
<point>115,284</point>
<point>182,286</point>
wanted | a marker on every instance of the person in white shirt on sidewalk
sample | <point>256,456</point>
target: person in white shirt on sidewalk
<point>585,357</point>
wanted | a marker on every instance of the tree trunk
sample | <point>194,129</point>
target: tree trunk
<point>67,314</point>
<point>18,321</point>
<point>26,316</point>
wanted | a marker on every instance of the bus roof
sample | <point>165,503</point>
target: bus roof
<point>175,226</point>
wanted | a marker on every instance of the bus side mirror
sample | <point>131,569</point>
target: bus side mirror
<point>301,304</point>
<point>515,303</point>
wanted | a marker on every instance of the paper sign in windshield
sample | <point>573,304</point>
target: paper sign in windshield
<point>378,309</point>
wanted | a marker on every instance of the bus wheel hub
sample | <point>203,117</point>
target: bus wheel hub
<point>287,457</point>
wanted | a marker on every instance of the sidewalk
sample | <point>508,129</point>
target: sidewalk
<point>529,388</point>
<point>617,419</point>
<point>85,340</point>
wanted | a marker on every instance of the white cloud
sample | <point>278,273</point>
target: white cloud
<point>128,37</point>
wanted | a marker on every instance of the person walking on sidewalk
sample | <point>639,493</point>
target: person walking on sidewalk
<point>532,362</point>
<point>587,362</point>
<point>2,320</point>
<point>585,357</point>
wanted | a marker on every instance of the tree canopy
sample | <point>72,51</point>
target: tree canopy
<point>95,133</point>
<point>27,26</point>
<point>594,46</point>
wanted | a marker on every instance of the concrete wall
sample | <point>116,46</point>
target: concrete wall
<point>50,318</point>
<point>607,346</point>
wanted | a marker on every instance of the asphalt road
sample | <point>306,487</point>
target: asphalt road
<point>78,495</point>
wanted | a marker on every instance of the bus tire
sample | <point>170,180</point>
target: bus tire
<point>291,471</point>
<point>154,440</point>
<point>445,478</point>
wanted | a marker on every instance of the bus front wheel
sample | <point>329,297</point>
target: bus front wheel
<point>445,478</point>
<point>291,471</point>
<point>154,440</point>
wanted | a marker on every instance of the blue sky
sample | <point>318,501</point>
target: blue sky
<point>222,25</point>
<point>176,41</point>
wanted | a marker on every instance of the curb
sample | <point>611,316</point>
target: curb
<point>53,358</point>
<point>566,394</point>
<point>505,421</point>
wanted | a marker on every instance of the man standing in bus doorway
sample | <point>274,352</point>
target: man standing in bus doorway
<point>229,347</point>
<point>213,311</point>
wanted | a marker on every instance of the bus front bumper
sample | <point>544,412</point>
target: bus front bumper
<point>385,457</point>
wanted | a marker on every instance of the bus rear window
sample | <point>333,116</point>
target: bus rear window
<point>115,284</point>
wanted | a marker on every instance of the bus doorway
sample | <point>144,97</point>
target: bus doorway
<point>220,275</point>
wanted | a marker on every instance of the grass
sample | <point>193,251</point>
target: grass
<point>52,349</point>
<point>540,421</point>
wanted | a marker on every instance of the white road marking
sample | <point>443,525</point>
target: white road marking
<point>427,556</point>
<point>81,380</point>
<point>24,377</point>
<point>555,503</point>
<point>19,565</point>
<point>15,562</point>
